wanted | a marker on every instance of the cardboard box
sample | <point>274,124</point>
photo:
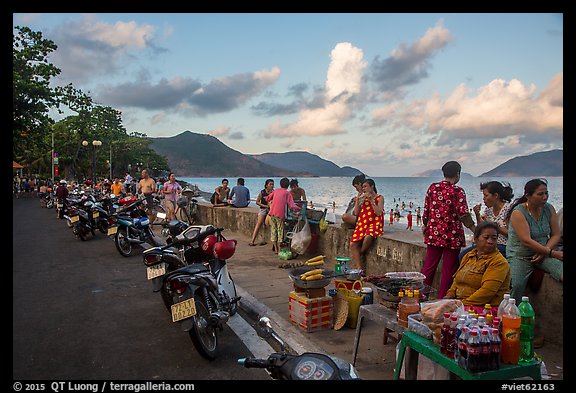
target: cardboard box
<point>310,314</point>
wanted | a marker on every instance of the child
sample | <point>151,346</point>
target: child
<point>281,198</point>
<point>391,218</point>
<point>409,218</point>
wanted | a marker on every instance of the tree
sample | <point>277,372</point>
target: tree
<point>32,95</point>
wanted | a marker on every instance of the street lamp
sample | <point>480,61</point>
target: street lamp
<point>95,144</point>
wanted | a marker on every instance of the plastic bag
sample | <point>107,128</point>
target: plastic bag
<point>285,255</point>
<point>323,225</point>
<point>433,314</point>
<point>300,239</point>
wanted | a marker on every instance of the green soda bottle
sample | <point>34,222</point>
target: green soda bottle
<point>526,331</point>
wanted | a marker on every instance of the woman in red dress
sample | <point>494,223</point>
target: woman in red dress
<point>369,209</point>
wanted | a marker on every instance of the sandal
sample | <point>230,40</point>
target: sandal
<point>262,243</point>
<point>251,244</point>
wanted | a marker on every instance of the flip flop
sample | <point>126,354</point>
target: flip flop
<point>262,243</point>
<point>251,244</point>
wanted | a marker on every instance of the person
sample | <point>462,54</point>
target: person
<point>409,219</point>
<point>171,191</point>
<point>483,276</point>
<point>117,188</point>
<point>147,186</point>
<point>127,181</point>
<point>263,211</point>
<point>418,216</point>
<point>391,222</point>
<point>349,218</point>
<point>533,234</point>
<point>280,198</point>
<point>298,193</point>
<point>220,195</point>
<point>42,192</point>
<point>61,195</point>
<point>497,197</point>
<point>240,194</point>
<point>445,208</point>
<point>369,208</point>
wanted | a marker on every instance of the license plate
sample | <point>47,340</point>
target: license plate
<point>161,215</point>
<point>183,310</point>
<point>95,214</point>
<point>112,230</point>
<point>73,219</point>
<point>156,271</point>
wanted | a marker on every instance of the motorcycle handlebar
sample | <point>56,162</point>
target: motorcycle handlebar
<point>254,362</point>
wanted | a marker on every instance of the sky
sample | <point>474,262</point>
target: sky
<point>391,94</point>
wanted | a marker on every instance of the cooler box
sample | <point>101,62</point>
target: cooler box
<point>310,314</point>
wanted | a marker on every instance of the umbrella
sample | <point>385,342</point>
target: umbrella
<point>15,165</point>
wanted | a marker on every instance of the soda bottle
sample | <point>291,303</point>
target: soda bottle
<point>496,345</point>
<point>511,320</point>
<point>485,351</point>
<point>526,330</point>
<point>444,333</point>
<point>481,321</point>
<point>488,314</point>
<point>463,347</point>
<point>457,333</point>
<point>503,304</point>
<point>473,349</point>
<point>451,334</point>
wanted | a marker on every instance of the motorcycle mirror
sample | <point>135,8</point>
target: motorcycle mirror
<point>264,330</point>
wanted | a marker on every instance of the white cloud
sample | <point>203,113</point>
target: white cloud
<point>220,131</point>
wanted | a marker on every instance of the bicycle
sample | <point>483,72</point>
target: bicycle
<point>187,209</point>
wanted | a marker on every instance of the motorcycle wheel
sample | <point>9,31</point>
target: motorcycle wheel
<point>166,297</point>
<point>203,336</point>
<point>234,306</point>
<point>79,231</point>
<point>69,223</point>
<point>103,226</point>
<point>123,246</point>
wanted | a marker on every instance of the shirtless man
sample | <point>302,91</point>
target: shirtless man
<point>147,186</point>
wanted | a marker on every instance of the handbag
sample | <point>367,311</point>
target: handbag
<point>300,238</point>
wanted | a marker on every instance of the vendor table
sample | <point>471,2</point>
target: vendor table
<point>417,344</point>
<point>381,314</point>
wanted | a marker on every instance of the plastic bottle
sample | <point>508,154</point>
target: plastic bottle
<point>473,349</point>
<point>496,346</point>
<point>481,321</point>
<point>485,363</point>
<point>511,320</point>
<point>407,307</point>
<point>488,314</point>
<point>400,301</point>
<point>444,333</point>
<point>503,304</point>
<point>457,333</point>
<point>451,343</point>
<point>526,331</point>
<point>463,347</point>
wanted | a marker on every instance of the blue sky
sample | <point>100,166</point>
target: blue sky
<point>390,94</point>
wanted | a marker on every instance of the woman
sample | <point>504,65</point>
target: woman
<point>484,274</point>
<point>171,191</point>
<point>264,209</point>
<point>298,193</point>
<point>220,196</point>
<point>533,234</point>
<point>369,208</point>
<point>496,197</point>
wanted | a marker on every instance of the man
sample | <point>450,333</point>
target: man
<point>61,195</point>
<point>445,209</point>
<point>116,187</point>
<point>127,181</point>
<point>240,194</point>
<point>147,186</point>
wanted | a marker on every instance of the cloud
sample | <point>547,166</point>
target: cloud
<point>89,48</point>
<point>189,96</point>
<point>407,65</point>
<point>220,131</point>
<point>343,83</point>
<point>499,109</point>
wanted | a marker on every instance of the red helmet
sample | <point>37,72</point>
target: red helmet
<point>225,249</point>
<point>208,244</point>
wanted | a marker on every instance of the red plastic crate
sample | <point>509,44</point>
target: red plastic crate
<point>311,314</point>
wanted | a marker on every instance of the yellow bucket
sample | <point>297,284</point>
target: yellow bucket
<point>355,300</point>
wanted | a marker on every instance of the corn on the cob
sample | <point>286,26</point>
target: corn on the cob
<point>315,259</point>
<point>310,273</point>
<point>314,277</point>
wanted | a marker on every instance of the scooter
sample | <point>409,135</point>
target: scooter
<point>201,296</point>
<point>307,366</point>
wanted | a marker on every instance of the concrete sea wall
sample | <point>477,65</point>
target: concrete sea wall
<point>391,255</point>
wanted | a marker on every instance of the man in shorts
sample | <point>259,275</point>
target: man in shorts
<point>147,186</point>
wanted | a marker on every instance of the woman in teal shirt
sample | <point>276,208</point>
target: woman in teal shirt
<point>533,233</point>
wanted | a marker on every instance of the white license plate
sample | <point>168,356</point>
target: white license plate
<point>183,310</point>
<point>156,271</point>
<point>112,230</point>
<point>73,219</point>
<point>161,215</point>
<point>95,214</point>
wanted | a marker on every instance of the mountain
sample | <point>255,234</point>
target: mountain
<point>303,161</point>
<point>542,164</point>
<point>191,154</point>
<point>438,173</point>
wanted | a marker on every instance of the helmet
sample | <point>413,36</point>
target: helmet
<point>63,182</point>
<point>208,244</point>
<point>225,249</point>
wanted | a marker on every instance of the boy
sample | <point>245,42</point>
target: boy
<point>280,198</point>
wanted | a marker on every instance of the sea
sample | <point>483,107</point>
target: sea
<point>334,193</point>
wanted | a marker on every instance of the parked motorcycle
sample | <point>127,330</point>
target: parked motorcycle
<point>84,222</point>
<point>130,226</point>
<point>201,295</point>
<point>307,366</point>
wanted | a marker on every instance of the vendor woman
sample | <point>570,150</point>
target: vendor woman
<point>484,274</point>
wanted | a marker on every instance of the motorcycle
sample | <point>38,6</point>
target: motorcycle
<point>131,225</point>
<point>83,222</point>
<point>307,366</point>
<point>201,295</point>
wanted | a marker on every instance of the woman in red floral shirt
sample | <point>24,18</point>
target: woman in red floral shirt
<point>445,208</point>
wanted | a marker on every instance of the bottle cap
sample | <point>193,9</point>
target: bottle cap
<point>453,318</point>
<point>512,300</point>
<point>487,305</point>
<point>525,298</point>
<point>506,296</point>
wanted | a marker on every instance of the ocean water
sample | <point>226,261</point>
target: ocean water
<point>324,192</point>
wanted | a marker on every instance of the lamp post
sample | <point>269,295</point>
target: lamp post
<point>95,144</point>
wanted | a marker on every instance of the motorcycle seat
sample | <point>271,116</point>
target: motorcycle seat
<point>191,269</point>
